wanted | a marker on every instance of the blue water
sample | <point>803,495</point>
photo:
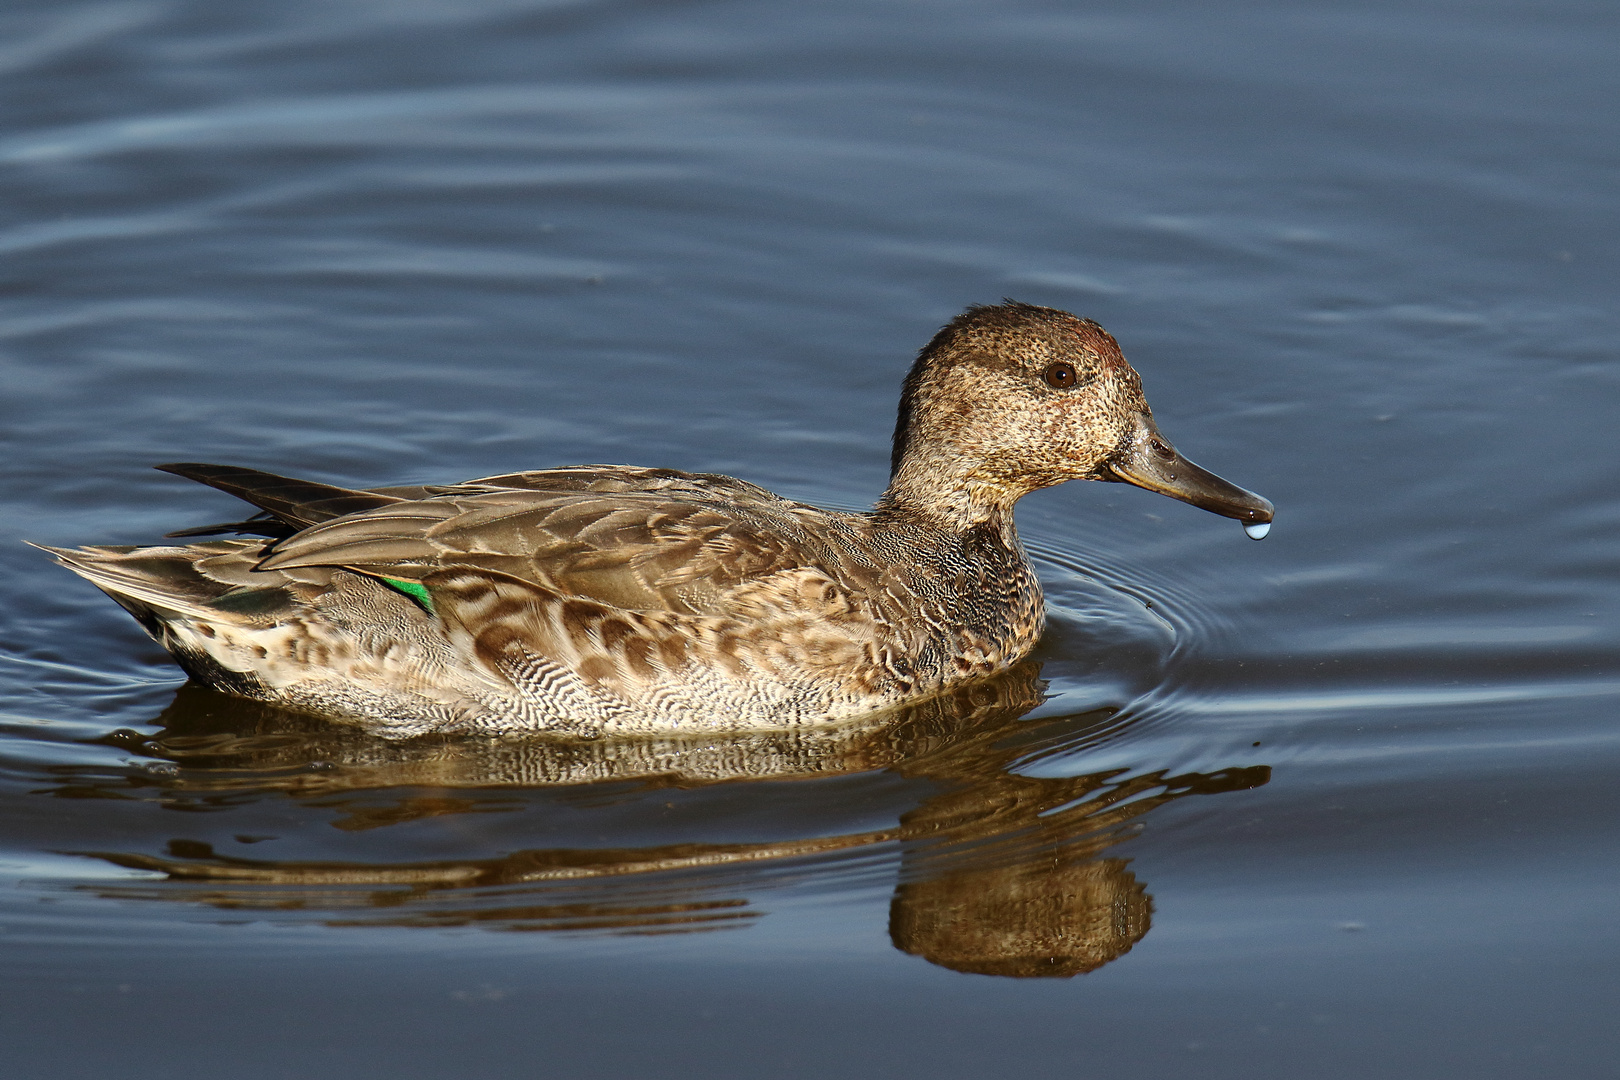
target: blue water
<point>1337,804</point>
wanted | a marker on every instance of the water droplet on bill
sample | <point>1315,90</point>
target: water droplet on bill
<point>1257,529</point>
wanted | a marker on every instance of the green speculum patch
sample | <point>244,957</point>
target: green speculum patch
<point>415,590</point>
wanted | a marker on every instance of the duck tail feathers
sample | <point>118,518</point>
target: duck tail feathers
<point>147,581</point>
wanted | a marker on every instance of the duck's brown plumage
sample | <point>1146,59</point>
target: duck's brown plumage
<point>594,599</point>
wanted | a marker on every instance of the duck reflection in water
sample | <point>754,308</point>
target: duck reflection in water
<point>999,872</point>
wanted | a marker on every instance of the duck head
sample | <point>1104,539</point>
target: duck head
<point>1009,398</point>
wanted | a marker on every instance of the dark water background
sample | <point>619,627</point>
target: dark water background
<point>1339,804</point>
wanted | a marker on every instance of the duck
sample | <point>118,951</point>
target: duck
<point>595,600</point>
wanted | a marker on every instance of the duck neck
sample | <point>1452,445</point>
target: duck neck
<point>952,503</point>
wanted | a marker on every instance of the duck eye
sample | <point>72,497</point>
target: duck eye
<point>1060,376</point>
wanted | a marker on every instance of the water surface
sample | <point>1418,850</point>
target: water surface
<point>1335,804</point>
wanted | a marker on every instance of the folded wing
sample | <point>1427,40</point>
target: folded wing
<point>639,539</point>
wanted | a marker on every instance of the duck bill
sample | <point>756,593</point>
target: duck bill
<point>1149,461</point>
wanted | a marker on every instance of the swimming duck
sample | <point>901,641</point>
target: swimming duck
<point>603,599</point>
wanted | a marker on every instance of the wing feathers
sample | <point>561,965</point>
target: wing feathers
<point>298,502</point>
<point>645,540</point>
<point>392,534</point>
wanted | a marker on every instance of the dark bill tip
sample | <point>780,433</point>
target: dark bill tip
<point>1150,462</point>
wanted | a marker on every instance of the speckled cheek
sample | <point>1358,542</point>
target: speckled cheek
<point>1064,427</point>
<point>1128,387</point>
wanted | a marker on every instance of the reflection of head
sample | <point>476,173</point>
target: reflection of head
<point>1051,918</point>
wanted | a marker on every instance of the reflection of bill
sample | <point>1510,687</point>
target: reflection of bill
<point>999,873</point>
